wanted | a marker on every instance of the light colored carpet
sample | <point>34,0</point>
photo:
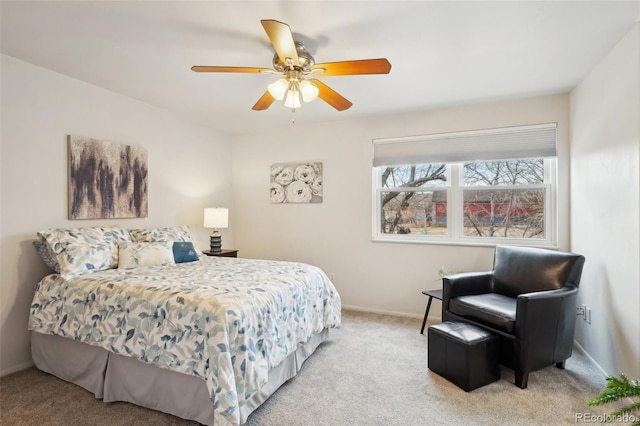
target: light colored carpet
<point>372,371</point>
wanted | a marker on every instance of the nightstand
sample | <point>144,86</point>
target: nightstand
<point>222,253</point>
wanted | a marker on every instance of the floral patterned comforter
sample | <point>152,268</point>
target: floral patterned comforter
<point>226,320</point>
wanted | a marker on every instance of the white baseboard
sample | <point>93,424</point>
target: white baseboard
<point>16,368</point>
<point>593,361</point>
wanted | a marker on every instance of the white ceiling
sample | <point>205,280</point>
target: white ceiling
<point>442,53</point>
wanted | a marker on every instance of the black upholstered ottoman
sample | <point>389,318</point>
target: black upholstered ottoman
<point>464,354</point>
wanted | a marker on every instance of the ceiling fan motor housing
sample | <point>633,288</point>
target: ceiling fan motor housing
<point>305,59</point>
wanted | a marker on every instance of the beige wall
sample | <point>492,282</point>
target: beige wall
<point>605,205</point>
<point>189,169</point>
<point>336,235</point>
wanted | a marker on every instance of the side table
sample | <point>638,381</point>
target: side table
<point>222,253</point>
<point>431,293</point>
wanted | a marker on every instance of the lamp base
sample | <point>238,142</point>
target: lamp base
<point>215,242</point>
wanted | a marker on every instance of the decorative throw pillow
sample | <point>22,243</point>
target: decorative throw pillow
<point>136,255</point>
<point>43,251</point>
<point>82,250</point>
<point>184,252</point>
<point>170,233</point>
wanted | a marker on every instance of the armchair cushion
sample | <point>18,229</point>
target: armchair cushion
<point>495,310</point>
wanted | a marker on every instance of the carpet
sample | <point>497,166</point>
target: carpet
<point>371,371</point>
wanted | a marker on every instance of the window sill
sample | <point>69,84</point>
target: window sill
<point>448,242</point>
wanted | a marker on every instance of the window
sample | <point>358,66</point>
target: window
<point>413,199</point>
<point>485,201</point>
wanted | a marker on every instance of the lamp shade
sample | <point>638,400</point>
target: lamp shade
<point>293,99</point>
<point>215,217</point>
<point>309,90</point>
<point>279,88</point>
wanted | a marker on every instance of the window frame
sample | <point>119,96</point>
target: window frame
<point>455,221</point>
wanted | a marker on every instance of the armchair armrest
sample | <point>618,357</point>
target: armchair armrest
<point>465,284</point>
<point>545,323</point>
<point>530,306</point>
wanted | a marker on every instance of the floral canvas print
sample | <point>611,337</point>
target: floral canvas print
<point>296,182</point>
<point>107,180</point>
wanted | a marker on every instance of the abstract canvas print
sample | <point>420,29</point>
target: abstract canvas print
<point>107,180</point>
<point>296,182</point>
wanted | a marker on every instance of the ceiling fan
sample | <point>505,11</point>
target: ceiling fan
<point>294,63</point>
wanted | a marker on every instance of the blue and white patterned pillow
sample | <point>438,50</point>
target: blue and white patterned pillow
<point>45,255</point>
<point>82,250</point>
<point>135,255</point>
<point>170,233</point>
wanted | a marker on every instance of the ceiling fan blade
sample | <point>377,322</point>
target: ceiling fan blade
<point>205,68</point>
<point>282,40</point>
<point>330,96</point>
<point>364,66</point>
<point>264,102</point>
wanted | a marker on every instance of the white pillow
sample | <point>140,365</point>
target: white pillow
<point>135,255</point>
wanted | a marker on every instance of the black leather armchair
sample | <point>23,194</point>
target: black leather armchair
<point>528,299</point>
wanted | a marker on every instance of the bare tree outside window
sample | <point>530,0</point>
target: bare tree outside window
<point>406,211</point>
<point>505,172</point>
<point>504,200</point>
<point>495,199</point>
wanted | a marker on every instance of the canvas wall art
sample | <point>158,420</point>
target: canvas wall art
<point>107,180</point>
<point>296,182</point>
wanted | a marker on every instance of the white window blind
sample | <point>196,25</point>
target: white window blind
<point>534,141</point>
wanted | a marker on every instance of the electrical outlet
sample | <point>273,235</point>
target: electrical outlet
<point>584,312</point>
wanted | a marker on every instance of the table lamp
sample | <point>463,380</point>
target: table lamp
<point>216,218</point>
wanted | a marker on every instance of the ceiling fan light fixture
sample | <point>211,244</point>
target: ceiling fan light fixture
<point>278,88</point>
<point>308,90</point>
<point>292,100</point>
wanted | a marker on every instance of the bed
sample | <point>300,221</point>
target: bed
<point>207,339</point>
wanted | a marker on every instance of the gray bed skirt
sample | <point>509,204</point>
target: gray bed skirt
<point>113,377</point>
